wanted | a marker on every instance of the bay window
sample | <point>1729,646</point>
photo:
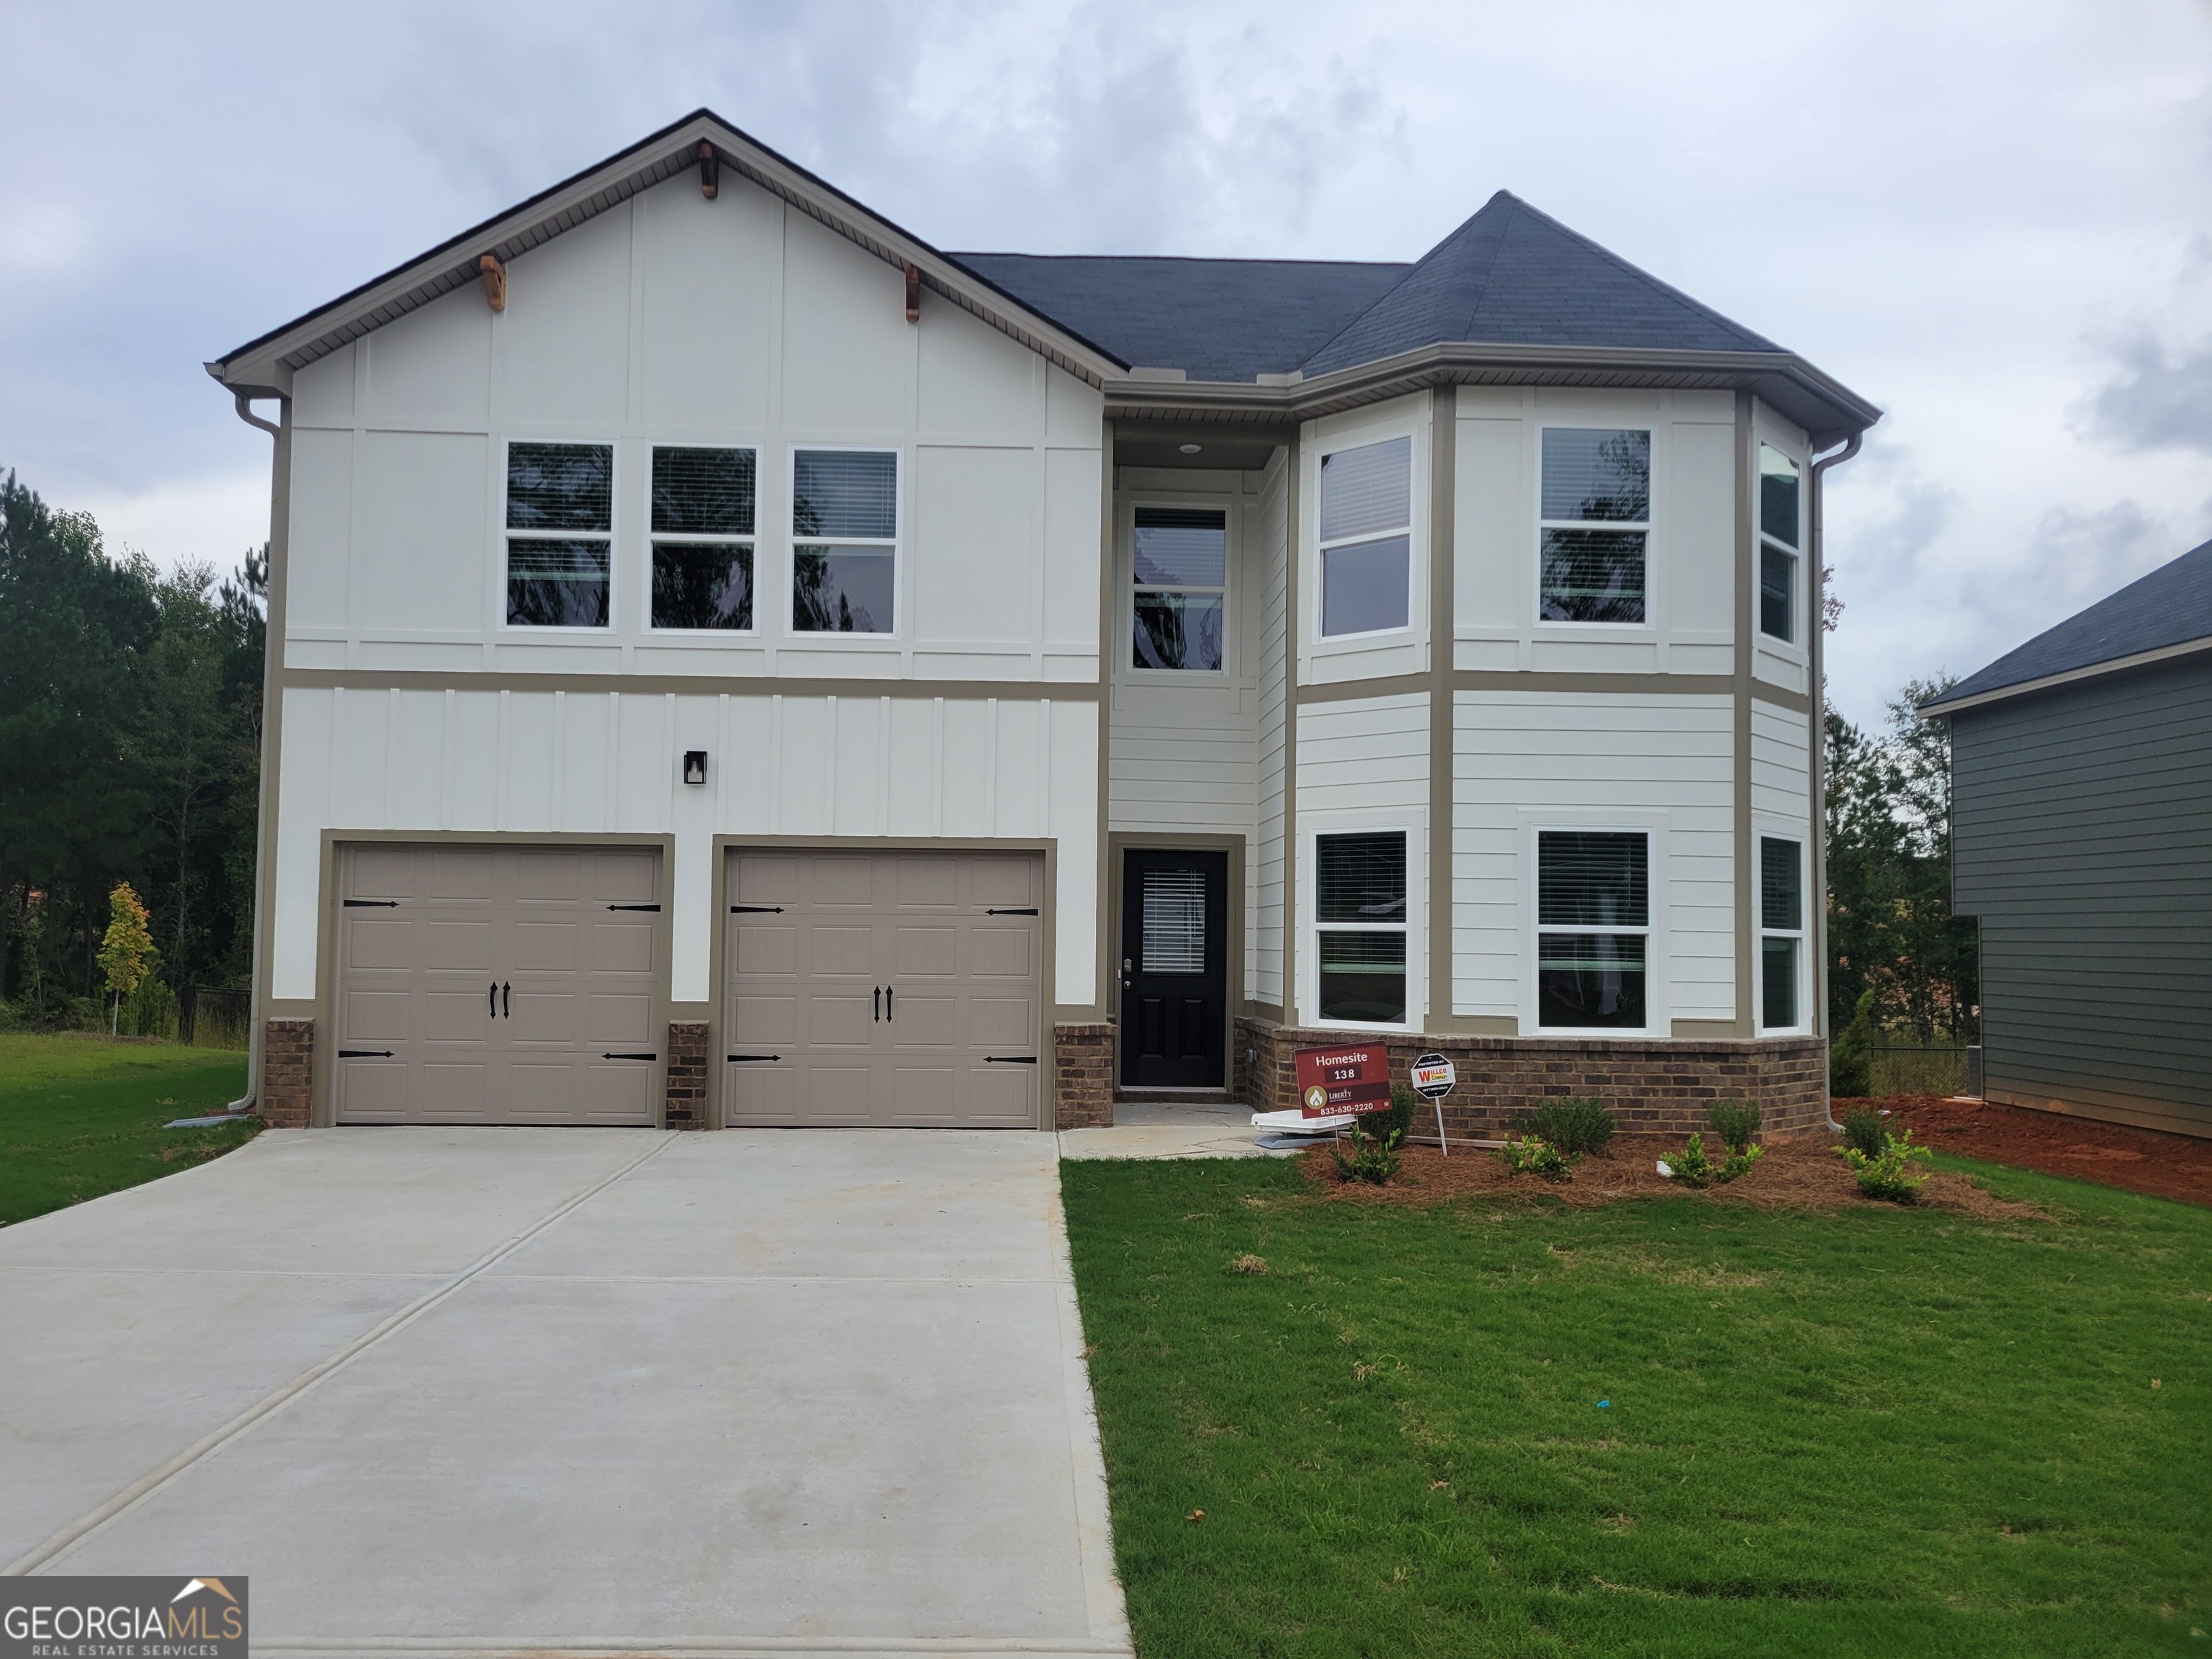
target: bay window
<point>1780,539</point>
<point>1359,913</point>
<point>1594,926</point>
<point>1366,537</point>
<point>1592,477</point>
<point>1781,932</point>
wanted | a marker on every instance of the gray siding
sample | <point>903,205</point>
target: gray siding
<point>2083,840</point>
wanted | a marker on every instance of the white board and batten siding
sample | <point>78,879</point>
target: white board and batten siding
<point>1529,761</point>
<point>607,762</point>
<point>669,318</point>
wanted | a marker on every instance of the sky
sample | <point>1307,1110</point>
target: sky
<point>1994,220</point>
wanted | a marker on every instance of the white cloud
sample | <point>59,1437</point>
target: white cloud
<point>211,520</point>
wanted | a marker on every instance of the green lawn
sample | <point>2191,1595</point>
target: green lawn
<point>80,1117</point>
<point>1882,1432</point>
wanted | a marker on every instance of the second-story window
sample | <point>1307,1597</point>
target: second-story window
<point>1180,563</point>
<point>844,540</point>
<point>1594,478</point>
<point>1779,539</point>
<point>560,525</point>
<point>1366,537</point>
<point>702,537</point>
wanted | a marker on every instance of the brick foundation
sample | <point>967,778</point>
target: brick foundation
<point>1655,1085</point>
<point>687,1074</point>
<point>288,1073</point>
<point>1083,1076</point>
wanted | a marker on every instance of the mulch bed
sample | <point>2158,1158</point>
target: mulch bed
<point>1803,1174</point>
<point>2136,1160</point>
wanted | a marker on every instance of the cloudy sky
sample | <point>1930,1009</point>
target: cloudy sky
<point>1990,218</point>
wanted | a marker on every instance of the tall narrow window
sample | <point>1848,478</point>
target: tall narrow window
<point>1781,932</point>
<point>1780,539</point>
<point>560,524</point>
<point>1594,477</point>
<point>703,537</point>
<point>844,535</point>
<point>1179,561</point>
<point>1593,922</point>
<point>1366,537</point>
<point>1360,912</point>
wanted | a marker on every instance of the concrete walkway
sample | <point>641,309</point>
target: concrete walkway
<point>1147,1129</point>
<point>573,1391</point>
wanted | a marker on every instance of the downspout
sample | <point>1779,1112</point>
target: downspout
<point>255,1024</point>
<point>1817,535</point>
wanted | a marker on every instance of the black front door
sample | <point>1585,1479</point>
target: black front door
<point>1175,968</point>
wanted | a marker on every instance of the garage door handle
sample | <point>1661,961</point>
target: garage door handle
<point>741,1059</point>
<point>372,904</point>
<point>364,1053</point>
<point>876,1001</point>
<point>1010,1060</point>
<point>756,909</point>
<point>507,999</point>
<point>633,907</point>
<point>1028,910</point>
<point>613,1056</point>
<point>887,1003</point>
<point>492,995</point>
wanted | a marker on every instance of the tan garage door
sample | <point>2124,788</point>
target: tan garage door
<point>497,984</point>
<point>883,988</point>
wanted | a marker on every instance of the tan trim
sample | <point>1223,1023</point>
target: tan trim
<point>272,744</point>
<point>1570,685</point>
<point>1050,1012</point>
<point>2094,671</point>
<point>1293,576</point>
<point>697,685</point>
<point>1443,477</point>
<point>1781,696</point>
<point>322,1097</point>
<point>1747,509</point>
<point>1233,1005</point>
<point>1388,685</point>
<point>1476,1025</point>
<point>1269,1011</point>
<point>1702,1030</point>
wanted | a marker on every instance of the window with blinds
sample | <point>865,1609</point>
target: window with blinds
<point>1781,536</point>
<point>1595,521</point>
<point>1366,537</point>
<point>560,528</point>
<point>1593,920</point>
<point>1781,934</point>
<point>1179,561</point>
<point>702,537</point>
<point>1359,916</point>
<point>1175,922</point>
<point>844,540</point>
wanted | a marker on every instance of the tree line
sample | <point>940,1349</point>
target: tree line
<point>129,755</point>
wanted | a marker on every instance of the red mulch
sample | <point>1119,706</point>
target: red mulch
<point>2110,1154</point>
<point>1800,1173</point>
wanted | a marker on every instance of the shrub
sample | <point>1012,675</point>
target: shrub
<point>1577,1126</point>
<point>1864,1132</point>
<point>1693,1169</point>
<point>1531,1155</point>
<point>1734,1121</point>
<point>1850,1057</point>
<point>1373,1159</point>
<point>1888,1173</point>
<point>1399,1120</point>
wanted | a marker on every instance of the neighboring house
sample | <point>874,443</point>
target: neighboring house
<point>735,664</point>
<point>2081,839</point>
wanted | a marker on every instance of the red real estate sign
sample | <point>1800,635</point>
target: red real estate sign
<point>1335,1081</point>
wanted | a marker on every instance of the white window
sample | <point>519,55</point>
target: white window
<point>1594,477</point>
<point>1359,916</point>
<point>1593,928</point>
<point>844,540</point>
<point>1179,563</point>
<point>1781,935</point>
<point>702,537</point>
<point>560,525</point>
<point>1366,537</point>
<point>1779,541</point>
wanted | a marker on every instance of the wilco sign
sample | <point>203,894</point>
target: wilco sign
<point>122,1618</point>
<point>1333,1082</point>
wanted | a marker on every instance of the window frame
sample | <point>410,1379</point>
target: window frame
<point>1416,551</point>
<point>1413,828</point>
<point>1647,527</point>
<point>1656,1005</point>
<point>507,535</point>
<point>704,538</point>
<point>789,632</point>
<point>1802,933</point>
<point>1800,610</point>
<point>1206,503</point>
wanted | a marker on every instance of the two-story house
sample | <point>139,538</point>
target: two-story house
<point>734,662</point>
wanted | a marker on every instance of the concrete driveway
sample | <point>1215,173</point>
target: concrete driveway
<point>573,1391</point>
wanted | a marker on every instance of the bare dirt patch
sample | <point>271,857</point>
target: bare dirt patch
<point>2110,1154</point>
<point>1803,1174</point>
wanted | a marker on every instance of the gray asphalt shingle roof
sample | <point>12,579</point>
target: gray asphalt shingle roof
<point>2171,606</point>
<point>1509,276</point>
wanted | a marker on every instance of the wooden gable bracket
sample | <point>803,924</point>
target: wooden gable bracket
<point>494,281</point>
<point>710,170</point>
<point>913,294</point>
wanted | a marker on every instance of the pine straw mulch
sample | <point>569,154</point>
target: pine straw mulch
<point>1799,1174</point>
<point>2110,1154</point>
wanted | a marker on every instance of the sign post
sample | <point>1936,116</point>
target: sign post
<point>1341,1082</point>
<point>1433,1076</point>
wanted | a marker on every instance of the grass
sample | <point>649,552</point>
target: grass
<point>1881,1431</point>
<point>83,1116</point>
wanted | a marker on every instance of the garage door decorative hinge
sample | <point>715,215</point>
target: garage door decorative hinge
<point>372,904</point>
<point>740,1058</point>
<point>633,907</point>
<point>1030,910</point>
<point>613,1056</point>
<point>756,909</point>
<point>1010,1060</point>
<point>364,1053</point>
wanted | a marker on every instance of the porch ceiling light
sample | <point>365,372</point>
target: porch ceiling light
<point>1189,449</point>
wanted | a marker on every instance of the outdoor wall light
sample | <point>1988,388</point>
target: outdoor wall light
<point>694,766</point>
